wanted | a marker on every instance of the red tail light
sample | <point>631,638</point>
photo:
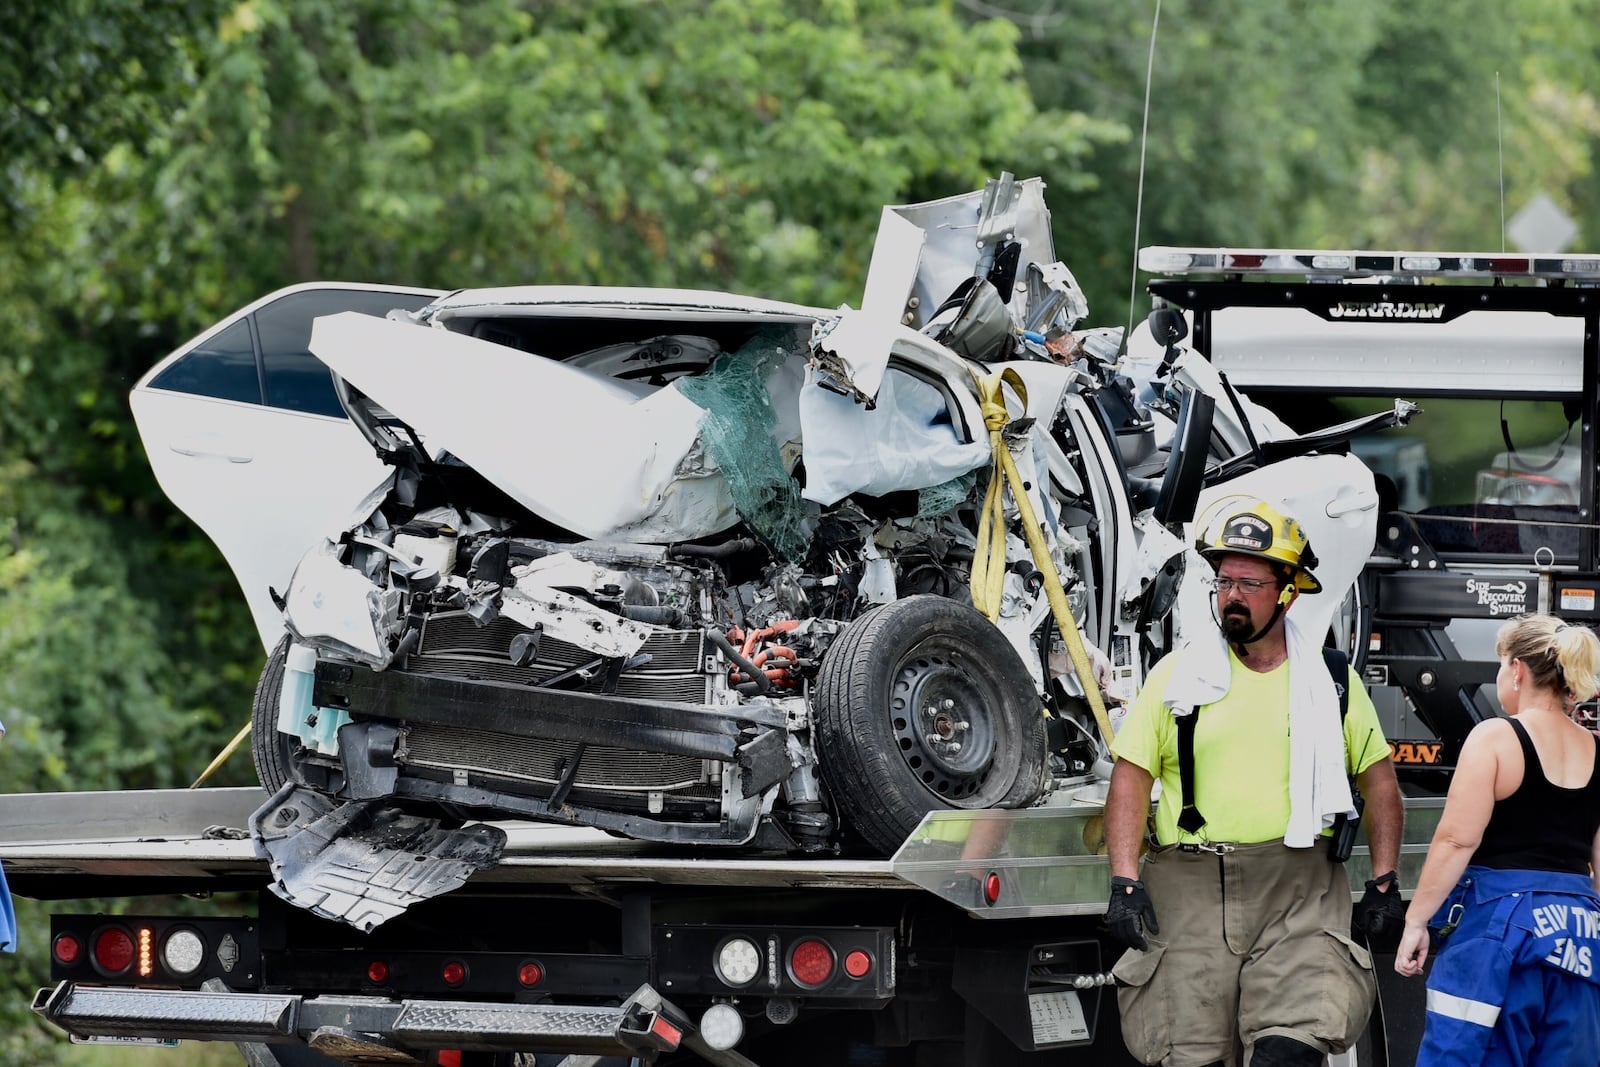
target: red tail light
<point>530,973</point>
<point>67,949</point>
<point>113,950</point>
<point>454,972</point>
<point>663,1028</point>
<point>857,964</point>
<point>377,972</point>
<point>991,888</point>
<point>811,962</point>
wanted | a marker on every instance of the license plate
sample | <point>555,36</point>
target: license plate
<point>108,1039</point>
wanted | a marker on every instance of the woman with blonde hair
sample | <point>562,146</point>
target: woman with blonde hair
<point>1511,876</point>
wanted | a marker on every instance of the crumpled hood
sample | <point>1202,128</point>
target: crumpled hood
<point>570,445</point>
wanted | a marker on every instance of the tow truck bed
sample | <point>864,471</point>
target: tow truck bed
<point>59,846</point>
<point>654,915</point>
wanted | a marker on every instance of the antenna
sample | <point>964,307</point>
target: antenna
<point>1500,147</point>
<point>1138,207</point>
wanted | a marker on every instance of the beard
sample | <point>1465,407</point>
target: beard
<point>1237,626</point>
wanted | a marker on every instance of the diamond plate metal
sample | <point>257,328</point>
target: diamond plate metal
<point>438,1018</point>
<point>91,1011</point>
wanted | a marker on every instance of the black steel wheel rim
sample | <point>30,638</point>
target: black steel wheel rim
<point>943,723</point>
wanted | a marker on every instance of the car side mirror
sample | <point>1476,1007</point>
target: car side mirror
<point>1167,326</point>
<point>1186,466</point>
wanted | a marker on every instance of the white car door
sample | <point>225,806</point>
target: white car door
<point>247,439</point>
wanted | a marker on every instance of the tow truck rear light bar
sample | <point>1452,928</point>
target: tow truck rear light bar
<point>181,952</point>
<point>1165,259</point>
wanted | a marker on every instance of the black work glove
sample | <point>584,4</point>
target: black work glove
<point>1130,914</point>
<point>1381,916</point>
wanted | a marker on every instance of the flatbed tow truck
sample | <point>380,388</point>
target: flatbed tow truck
<point>975,943</point>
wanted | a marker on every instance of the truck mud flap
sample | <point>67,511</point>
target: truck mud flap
<point>364,862</point>
<point>385,1029</point>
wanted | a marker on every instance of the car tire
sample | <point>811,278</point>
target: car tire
<point>909,670</point>
<point>273,752</point>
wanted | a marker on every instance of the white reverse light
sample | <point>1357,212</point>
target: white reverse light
<point>721,1027</point>
<point>182,952</point>
<point>738,961</point>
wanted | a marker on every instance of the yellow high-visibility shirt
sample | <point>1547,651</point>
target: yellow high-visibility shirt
<point>1241,752</point>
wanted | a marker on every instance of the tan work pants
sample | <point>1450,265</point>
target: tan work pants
<point>1252,943</point>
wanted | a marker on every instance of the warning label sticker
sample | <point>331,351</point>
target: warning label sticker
<point>1577,600</point>
<point>1057,1017</point>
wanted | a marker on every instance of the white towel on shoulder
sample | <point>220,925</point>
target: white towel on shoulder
<point>1319,790</point>
<point>1202,674</point>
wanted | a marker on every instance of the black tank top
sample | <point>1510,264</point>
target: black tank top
<point>1541,826</point>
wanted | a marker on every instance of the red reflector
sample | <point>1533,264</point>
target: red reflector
<point>663,1028</point>
<point>377,972</point>
<point>991,888</point>
<point>530,973</point>
<point>811,962</point>
<point>454,972</point>
<point>857,964</point>
<point>113,950</point>
<point>450,1057</point>
<point>67,948</point>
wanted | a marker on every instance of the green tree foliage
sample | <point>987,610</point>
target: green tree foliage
<point>744,145</point>
<point>1352,124</point>
<point>78,77</point>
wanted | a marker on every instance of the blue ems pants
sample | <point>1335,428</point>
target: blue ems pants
<point>1518,982</point>
<point>8,917</point>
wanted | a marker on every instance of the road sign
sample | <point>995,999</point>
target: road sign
<point>1541,226</point>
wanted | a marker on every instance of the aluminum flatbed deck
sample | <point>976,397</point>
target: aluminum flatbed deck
<point>63,845</point>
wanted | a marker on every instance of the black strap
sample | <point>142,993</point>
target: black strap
<point>1189,818</point>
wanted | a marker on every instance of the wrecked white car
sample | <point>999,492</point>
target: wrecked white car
<point>699,568</point>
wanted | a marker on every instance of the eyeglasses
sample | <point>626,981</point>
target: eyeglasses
<point>1247,586</point>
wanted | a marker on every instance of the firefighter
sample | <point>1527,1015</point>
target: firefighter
<point>1518,979</point>
<point>1238,934</point>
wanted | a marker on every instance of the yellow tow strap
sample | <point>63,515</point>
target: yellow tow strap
<point>222,757</point>
<point>989,560</point>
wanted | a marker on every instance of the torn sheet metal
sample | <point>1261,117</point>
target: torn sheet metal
<point>567,618</point>
<point>925,252</point>
<point>861,340</point>
<point>364,862</point>
<point>953,243</point>
<point>332,602</point>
